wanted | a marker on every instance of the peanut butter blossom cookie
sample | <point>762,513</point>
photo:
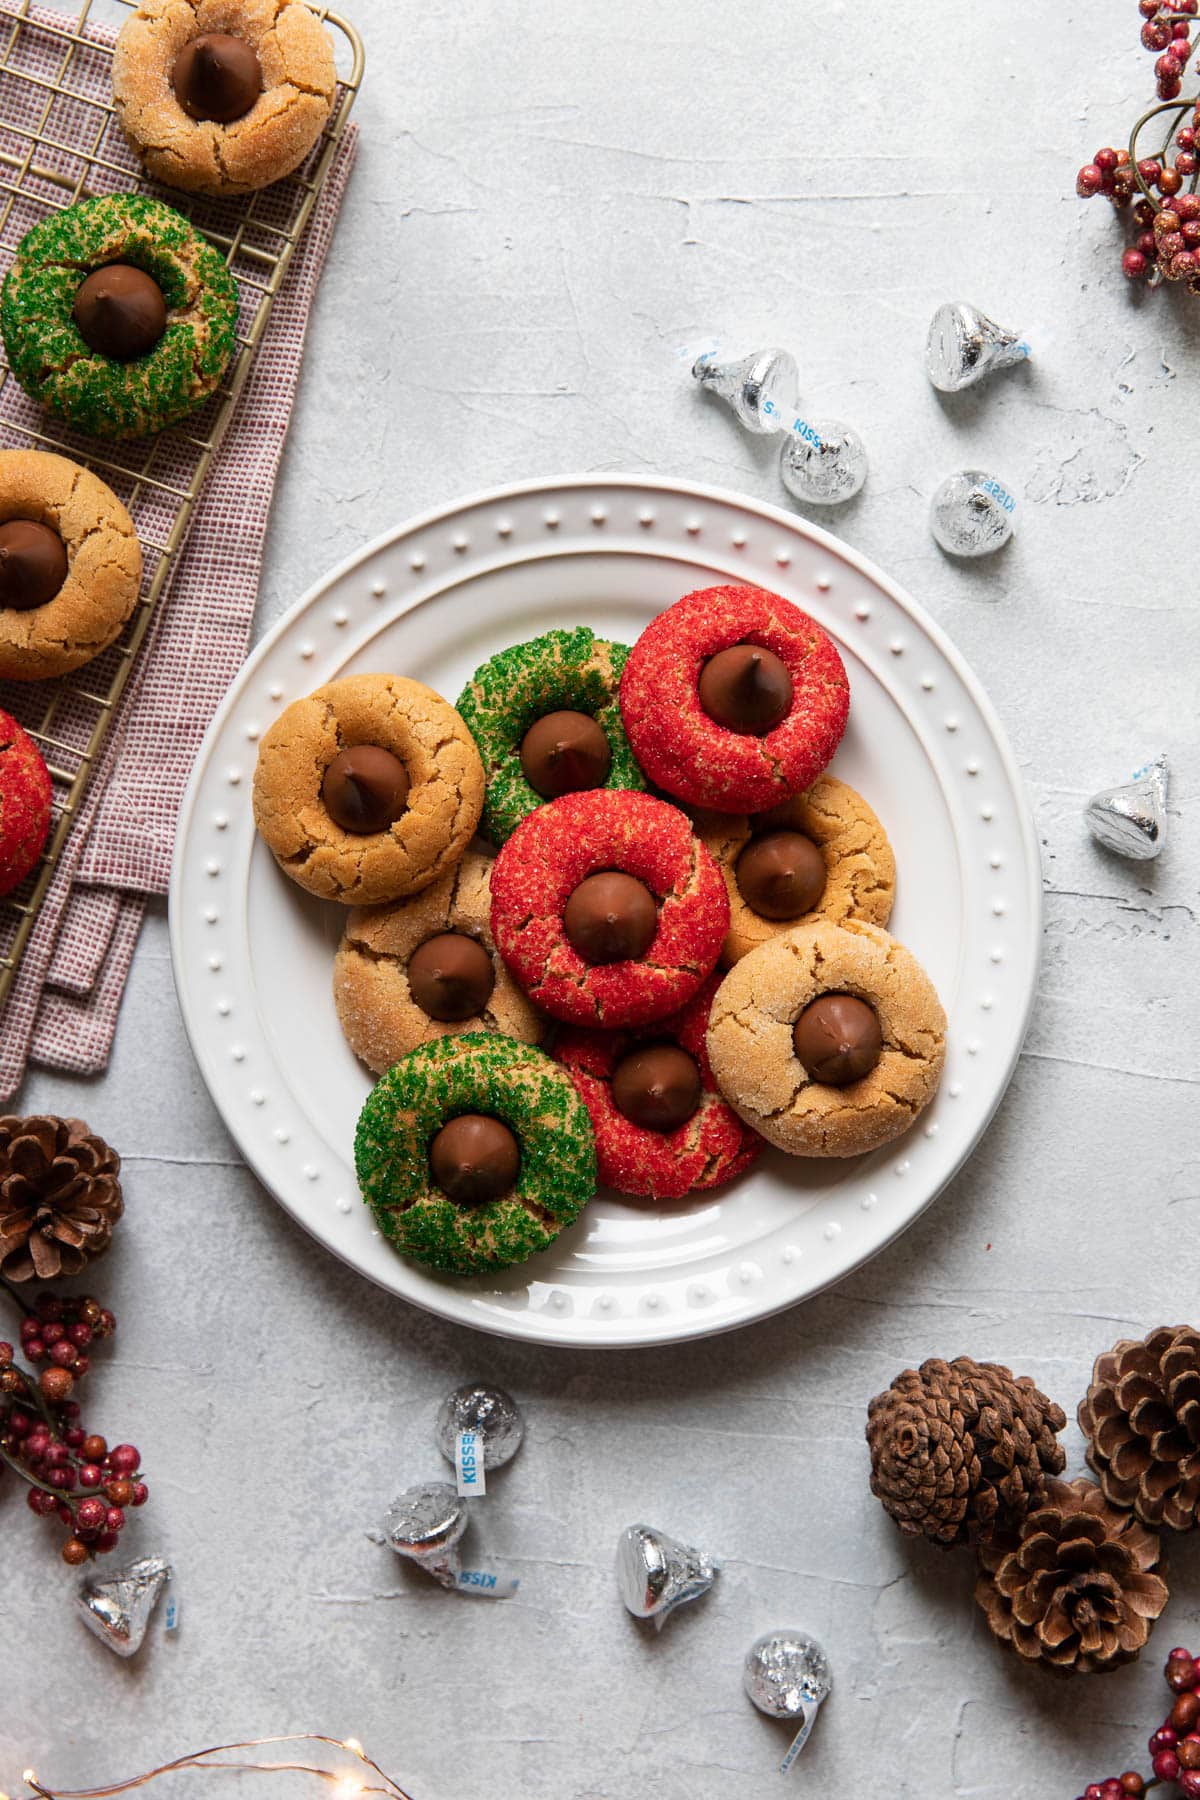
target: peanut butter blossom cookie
<point>734,699</point>
<point>118,315</point>
<point>25,802</point>
<point>608,909</point>
<point>662,1128</point>
<point>474,1152</point>
<point>223,96</point>
<point>546,718</point>
<point>70,565</point>
<point>427,967</point>
<point>368,789</point>
<point>823,852</point>
<point>828,1040</point>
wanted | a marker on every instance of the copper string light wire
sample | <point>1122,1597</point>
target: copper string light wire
<point>349,1784</point>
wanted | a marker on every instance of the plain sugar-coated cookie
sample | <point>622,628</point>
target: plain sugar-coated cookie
<point>707,1147</point>
<point>223,96</point>
<point>67,585</point>
<point>852,874</point>
<point>788,699</point>
<point>751,1039</point>
<point>649,847</point>
<point>503,1214</point>
<point>310,763</point>
<point>427,967</point>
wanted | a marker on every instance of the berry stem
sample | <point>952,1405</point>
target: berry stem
<point>1180,108</point>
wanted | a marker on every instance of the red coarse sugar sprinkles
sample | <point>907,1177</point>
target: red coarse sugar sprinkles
<point>25,800</point>
<point>687,753</point>
<point>713,1146</point>
<point>560,845</point>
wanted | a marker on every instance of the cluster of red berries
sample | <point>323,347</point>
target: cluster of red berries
<point>1158,191</point>
<point>73,1475</point>
<point>1174,1747</point>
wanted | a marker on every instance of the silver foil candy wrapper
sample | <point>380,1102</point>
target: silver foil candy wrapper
<point>118,1608</point>
<point>656,1573</point>
<point>822,462</point>
<point>788,1676</point>
<point>491,1412</point>
<point>425,1523</point>
<point>759,388</point>
<point>971,514</point>
<point>964,345</point>
<point>1132,819</point>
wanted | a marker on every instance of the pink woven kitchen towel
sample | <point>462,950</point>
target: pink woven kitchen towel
<point>62,1010</point>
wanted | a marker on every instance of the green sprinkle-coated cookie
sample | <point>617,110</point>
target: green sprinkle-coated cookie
<point>561,671</point>
<point>481,1073</point>
<point>93,392</point>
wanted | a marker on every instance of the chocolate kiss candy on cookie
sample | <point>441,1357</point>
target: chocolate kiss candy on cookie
<point>781,875</point>
<point>746,688</point>
<point>365,788</point>
<point>657,1087</point>
<point>611,918</point>
<point>563,753</point>
<point>838,1039</point>
<point>120,312</point>
<point>474,1159</point>
<point>33,564</point>
<point>451,977</point>
<point>217,77</point>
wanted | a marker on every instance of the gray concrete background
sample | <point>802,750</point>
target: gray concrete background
<point>549,199</point>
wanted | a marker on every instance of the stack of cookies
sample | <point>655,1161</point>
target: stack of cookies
<point>667,949</point>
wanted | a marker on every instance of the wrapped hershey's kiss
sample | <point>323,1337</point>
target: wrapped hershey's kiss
<point>964,345</point>
<point>972,514</point>
<point>1132,820</point>
<point>118,1608</point>
<point>822,461</point>
<point>760,388</point>
<point>657,1573</point>
<point>787,1675</point>
<point>478,1428</point>
<point>425,1523</point>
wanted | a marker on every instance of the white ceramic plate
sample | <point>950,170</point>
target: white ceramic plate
<point>253,954</point>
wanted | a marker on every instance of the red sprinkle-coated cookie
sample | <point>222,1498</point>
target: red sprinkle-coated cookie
<point>712,1147</point>
<point>25,796</point>
<point>557,847</point>
<point>688,754</point>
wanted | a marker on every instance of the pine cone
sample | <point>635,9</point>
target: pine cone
<point>59,1197</point>
<point>1076,1586</point>
<point>1141,1419</point>
<point>961,1449</point>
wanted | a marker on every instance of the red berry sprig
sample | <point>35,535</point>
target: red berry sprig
<point>1174,1747</point>
<point>1159,192</point>
<point>73,1475</point>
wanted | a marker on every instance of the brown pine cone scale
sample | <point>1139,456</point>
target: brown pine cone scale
<point>60,1197</point>
<point>1141,1419</point>
<point>961,1449</point>
<point>1077,1586</point>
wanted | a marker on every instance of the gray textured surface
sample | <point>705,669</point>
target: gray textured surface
<point>549,199</point>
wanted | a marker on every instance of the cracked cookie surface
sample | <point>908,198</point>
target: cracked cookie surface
<point>381,1019</point>
<point>754,1060</point>
<point>299,83</point>
<point>689,754</point>
<point>48,354</point>
<point>559,846</point>
<point>104,565</point>
<point>713,1145</point>
<point>478,1073</point>
<point>561,670</point>
<point>860,881</point>
<point>26,795</point>
<point>444,800</point>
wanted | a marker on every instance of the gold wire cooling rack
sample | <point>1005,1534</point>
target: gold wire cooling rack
<point>60,142</point>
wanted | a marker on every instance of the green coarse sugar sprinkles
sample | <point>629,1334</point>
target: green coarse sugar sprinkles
<point>50,358</point>
<point>561,671</point>
<point>481,1073</point>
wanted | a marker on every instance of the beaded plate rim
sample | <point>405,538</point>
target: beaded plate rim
<point>737,537</point>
